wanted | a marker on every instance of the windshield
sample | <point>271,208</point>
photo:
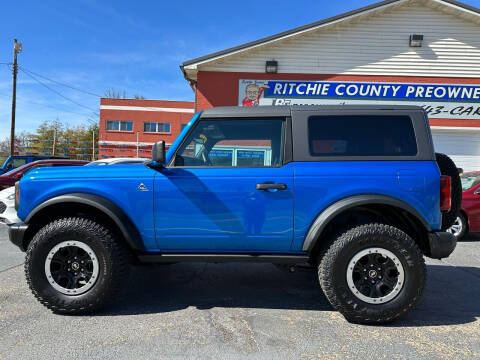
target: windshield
<point>469,180</point>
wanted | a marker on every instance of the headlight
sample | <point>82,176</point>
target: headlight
<point>11,197</point>
<point>17,194</point>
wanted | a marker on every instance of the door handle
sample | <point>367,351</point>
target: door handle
<point>271,186</point>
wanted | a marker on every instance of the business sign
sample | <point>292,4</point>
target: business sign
<point>446,101</point>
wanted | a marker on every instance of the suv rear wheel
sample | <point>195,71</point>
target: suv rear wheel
<point>74,265</point>
<point>372,273</point>
<point>459,227</point>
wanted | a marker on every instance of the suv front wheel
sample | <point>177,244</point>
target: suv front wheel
<point>372,273</point>
<point>74,265</point>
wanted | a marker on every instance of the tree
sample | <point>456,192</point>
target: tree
<point>55,138</point>
<point>111,93</point>
<point>4,149</point>
<point>20,140</point>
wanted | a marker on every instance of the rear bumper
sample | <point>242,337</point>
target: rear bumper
<point>16,233</point>
<point>441,244</point>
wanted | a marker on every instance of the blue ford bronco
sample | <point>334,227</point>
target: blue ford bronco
<point>356,191</point>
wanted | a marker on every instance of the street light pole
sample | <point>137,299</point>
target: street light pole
<point>17,47</point>
<point>54,139</point>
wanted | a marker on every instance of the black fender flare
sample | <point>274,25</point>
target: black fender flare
<point>113,211</point>
<point>338,207</point>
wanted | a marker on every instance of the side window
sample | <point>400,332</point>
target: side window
<point>114,125</point>
<point>233,143</point>
<point>156,127</point>
<point>361,136</point>
<point>18,162</point>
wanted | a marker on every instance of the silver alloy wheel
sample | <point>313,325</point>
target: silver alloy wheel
<point>457,227</point>
<point>71,267</point>
<point>375,275</point>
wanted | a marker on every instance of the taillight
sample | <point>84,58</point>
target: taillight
<point>445,193</point>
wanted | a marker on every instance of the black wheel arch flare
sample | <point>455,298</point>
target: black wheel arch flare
<point>113,211</point>
<point>327,215</point>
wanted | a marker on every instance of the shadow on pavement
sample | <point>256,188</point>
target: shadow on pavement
<point>472,237</point>
<point>451,296</point>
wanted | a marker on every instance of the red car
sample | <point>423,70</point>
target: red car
<point>469,218</point>
<point>10,178</point>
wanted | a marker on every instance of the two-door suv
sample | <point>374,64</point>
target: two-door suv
<point>354,190</point>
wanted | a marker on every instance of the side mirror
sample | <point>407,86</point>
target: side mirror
<point>20,175</point>
<point>477,191</point>
<point>158,152</point>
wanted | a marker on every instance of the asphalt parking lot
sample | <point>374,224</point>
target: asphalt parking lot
<point>227,311</point>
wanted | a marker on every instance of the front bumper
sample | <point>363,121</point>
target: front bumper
<point>9,215</point>
<point>441,244</point>
<point>16,233</point>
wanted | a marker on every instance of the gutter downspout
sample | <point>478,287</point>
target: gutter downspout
<point>192,83</point>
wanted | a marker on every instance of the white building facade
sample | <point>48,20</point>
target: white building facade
<point>415,52</point>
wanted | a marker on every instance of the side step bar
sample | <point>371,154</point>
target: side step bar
<point>219,258</point>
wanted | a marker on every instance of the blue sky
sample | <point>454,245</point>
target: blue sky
<point>132,46</point>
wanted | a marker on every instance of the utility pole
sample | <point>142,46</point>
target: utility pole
<point>17,47</point>
<point>93,144</point>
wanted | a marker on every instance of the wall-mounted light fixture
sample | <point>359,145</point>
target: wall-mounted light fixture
<point>271,66</point>
<point>416,40</point>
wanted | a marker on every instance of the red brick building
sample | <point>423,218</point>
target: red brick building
<point>129,127</point>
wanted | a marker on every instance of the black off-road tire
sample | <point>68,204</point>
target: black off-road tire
<point>113,259</point>
<point>448,167</point>
<point>332,273</point>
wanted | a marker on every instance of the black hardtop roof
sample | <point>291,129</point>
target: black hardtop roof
<point>286,110</point>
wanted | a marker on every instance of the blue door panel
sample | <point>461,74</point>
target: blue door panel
<point>219,209</point>
<point>320,184</point>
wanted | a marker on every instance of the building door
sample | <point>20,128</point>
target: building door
<point>462,147</point>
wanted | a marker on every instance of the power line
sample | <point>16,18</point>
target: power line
<point>46,105</point>
<point>58,82</point>
<point>53,107</point>
<point>58,93</point>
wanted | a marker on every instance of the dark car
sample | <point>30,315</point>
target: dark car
<point>469,218</point>
<point>10,178</point>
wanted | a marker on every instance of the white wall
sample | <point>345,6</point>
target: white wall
<point>462,147</point>
<point>373,45</point>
